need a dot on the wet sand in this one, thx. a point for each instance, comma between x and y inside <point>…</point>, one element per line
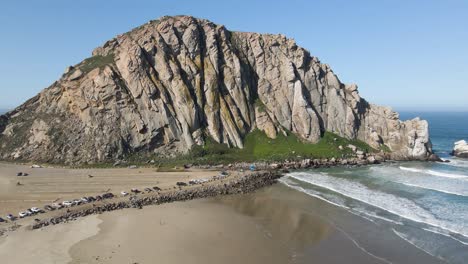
<point>273,225</point>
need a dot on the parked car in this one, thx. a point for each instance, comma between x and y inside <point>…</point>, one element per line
<point>2,220</point>
<point>91,199</point>
<point>84,200</point>
<point>35,210</point>
<point>67,203</point>
<point>123,193</point>
<point>57,205</point>
<point>181,184</point>
<point>11,217</point>
<point>77,202</point>
<point>134,190</point>
<point>49,208</point>
<point>23,214</point>
<point>98,198</point>
<point>108,195</point>
<point>148,190</point>
<point>156,188</point>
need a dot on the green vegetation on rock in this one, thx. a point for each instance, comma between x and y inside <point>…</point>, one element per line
<point>97,61</point>
<point>258,147</point>
<point>385,148</point>
<point>259,104</point>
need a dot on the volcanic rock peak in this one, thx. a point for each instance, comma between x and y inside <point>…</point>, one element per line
<point>173,82</point>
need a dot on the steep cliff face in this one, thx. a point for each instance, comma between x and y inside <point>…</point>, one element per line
<point>170,83</point>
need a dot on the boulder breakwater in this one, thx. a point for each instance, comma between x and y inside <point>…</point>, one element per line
<point>243,184</point>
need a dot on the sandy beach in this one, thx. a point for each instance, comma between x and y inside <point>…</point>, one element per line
<point>47,245</point>
<point>275,224</point>
<point>45,185</point>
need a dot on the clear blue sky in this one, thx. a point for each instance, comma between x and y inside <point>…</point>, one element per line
<point>411,55</point>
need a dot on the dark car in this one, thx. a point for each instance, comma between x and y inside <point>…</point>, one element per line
<point>49,208</point>
<point>107,195</point>
<point>156,188</point>
<point>91,199</point>
<point>98,198</point>
<point>2,220</point>
<point>181,184</point>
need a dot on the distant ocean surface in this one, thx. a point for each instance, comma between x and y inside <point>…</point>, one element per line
<point>425,204</point>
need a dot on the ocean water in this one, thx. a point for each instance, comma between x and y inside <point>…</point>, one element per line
<point>425,204</point>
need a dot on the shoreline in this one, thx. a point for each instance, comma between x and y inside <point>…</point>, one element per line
<point>265,174</point>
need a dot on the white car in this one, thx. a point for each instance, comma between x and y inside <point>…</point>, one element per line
<point>35,209</point>
<point>67,203</point>
<point>124,193</point>
<point>57,205</point>
<point>11,217</point>
<point>23,214</point>
<point>85,200</point>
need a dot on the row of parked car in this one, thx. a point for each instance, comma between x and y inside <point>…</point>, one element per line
<point>83,200</point>
<point>28,212</point>
<point>70,203</point>
<point>136,191</point>
<point>51,207</point>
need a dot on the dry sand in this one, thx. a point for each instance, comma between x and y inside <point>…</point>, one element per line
<point>46,246</point>
<point>44,185</point>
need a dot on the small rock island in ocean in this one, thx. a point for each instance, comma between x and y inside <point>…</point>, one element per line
<point>460,149</point>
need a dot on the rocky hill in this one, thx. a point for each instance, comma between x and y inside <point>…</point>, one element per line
<point>177,81</point>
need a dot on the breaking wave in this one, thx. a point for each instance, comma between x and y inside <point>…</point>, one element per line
<point>435,173</point>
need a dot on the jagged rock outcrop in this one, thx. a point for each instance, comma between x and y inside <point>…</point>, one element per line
<point>170,83</point>
<point>460,149</point>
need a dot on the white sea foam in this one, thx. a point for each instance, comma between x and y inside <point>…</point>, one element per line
<point>457,163</point>
<point>375,216</point>
<point>387,202</point>
<point>412,242</point>
<point>411,169</point>
<point>399,206</point>
<point>432,230</point>
<point>433,189</point>
<point>360,247</point>
<point>435,173</point>
<point>285,181</point>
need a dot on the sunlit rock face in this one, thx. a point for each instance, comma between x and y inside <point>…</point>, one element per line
<point>169,84</point>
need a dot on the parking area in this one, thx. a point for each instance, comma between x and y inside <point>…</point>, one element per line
<point>49,189</point>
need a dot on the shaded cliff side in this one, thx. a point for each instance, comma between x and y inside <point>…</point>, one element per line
<point>174,82</point>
